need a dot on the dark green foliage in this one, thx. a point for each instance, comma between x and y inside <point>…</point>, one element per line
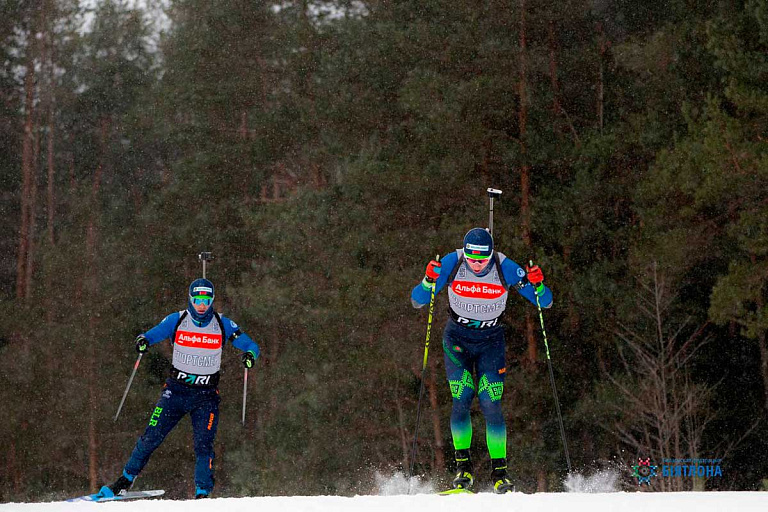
<point>325,152</point>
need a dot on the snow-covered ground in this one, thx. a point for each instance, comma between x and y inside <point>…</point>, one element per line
<point>543,502</point>
<point>397,493</point>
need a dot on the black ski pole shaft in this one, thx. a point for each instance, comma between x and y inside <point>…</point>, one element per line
<point>245,390</point>
<point>552,382</point>
<point>423,374</point>
<point>492,194</point>
<point>125,393</point>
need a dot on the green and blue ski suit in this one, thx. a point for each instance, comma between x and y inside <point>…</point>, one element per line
<point>473,340</point>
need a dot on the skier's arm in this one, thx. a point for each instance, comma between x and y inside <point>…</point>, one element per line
<point>163,330</point>
<point>421,294</point>
<point>239,339</point>
<point>514,274</point>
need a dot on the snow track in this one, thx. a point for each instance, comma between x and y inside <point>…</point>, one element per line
<point>542,502</point>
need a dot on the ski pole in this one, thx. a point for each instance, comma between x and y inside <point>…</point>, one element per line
<point>204,257</point>
<point>245,389</point>
<point>125,394</point>
<point>492,194</point>
<point>552,381</point>
<point>423,373</point>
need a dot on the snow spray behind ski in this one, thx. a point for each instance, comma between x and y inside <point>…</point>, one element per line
<point>603,480</point>
<point>399,484</point>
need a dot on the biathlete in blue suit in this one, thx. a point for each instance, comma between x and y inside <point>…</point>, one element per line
<point>478,280</point>
<point>198,335</point>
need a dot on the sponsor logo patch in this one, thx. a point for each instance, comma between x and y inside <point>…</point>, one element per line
<point>198,340</point>
<point>194,380</point>
<point>472,290</point>
<point>476,324</point>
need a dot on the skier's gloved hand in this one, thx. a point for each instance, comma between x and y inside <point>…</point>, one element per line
<point>536,278</point>
<point>249,359</point>
<point>433,271</point>
<point>142,344</point>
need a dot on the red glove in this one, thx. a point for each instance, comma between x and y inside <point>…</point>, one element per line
<point>535,277</point>
<point>433,271</point>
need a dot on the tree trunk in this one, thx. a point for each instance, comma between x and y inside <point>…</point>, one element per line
<point>265,417</point>
<point>573,312</point>
<point>541,481</point>
<point>553,70</point>
<point>50,78</point>
<point>51,207</point>
<point>27,169</point>
<point>403,428</point>
<point>242,132</point>
<point>557,107</point>
<point>90,251</point>
<point>763,349</point>
<point>437,431</point>
<point>93,447</point>
<point>600,96</point>
<point>525,210</point>
<point>32,210</point>
<point>71,161</point>
<point>13,469</point>
<point>602,48</point>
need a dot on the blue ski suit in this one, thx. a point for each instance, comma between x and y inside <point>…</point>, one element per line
<point>473,340</point>
<point>190,393</point>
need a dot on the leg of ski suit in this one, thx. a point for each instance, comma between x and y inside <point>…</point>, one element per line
<point>205,420</point>
<point>171,407</point>
<point>484,350</point>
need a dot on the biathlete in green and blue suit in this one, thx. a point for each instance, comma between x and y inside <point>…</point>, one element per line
<point>478,280</point>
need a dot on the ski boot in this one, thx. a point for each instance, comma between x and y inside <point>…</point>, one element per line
<point>501,482</point>
<point>201,493</point>
<point>120,486</point>
<point>463,478</point>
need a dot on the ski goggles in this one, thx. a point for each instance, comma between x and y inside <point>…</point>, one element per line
<point>476,259</point>
<point>196,301</point>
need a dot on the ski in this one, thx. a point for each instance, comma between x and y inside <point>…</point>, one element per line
<point>450,492</point>
<point>455,491</point>
<point>128,495</point>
